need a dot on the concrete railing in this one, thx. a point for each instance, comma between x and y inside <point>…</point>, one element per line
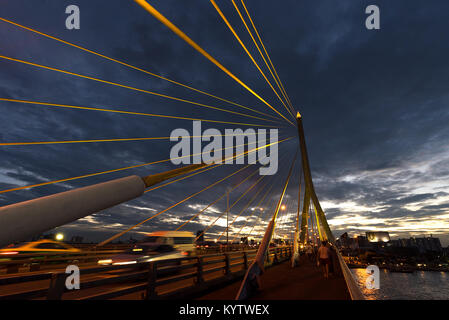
<point>351,283</point>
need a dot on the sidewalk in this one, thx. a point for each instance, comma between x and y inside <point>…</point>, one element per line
<point>281,282</point>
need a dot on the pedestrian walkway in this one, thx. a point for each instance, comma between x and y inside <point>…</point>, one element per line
<point>282,282</point>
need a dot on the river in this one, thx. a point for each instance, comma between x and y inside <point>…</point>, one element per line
<point>419,285</point>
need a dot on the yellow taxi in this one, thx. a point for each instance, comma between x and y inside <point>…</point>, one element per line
<point>40,246</point>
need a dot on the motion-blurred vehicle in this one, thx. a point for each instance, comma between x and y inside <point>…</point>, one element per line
<point>207,244</point>
<point>40,246</point>
<point>180,240</point>
<point>145,252</point>
<point>205,247</point>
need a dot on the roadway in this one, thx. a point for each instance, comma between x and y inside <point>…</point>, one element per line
<point>138,280</point>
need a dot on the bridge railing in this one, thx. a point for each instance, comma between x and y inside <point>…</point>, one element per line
<point>168,279</point>
<point>351,283</point>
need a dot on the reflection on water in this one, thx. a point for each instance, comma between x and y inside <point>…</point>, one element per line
<point>419,285</point>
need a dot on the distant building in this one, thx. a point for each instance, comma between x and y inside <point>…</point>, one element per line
<point>361,242</point>
<point>345,241</point>
<point>423,245</point>
<point>378,236</point>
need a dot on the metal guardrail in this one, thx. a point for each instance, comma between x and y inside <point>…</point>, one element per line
<point>353,288</point>
<point>146,277</point>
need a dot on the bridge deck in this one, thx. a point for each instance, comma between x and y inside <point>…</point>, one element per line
<point>282,282</point>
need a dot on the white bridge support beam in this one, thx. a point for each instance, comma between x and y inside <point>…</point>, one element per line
<point>23,220</point>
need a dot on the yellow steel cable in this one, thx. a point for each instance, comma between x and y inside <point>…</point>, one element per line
<point>183,36</point>
<point>213,223</point>
<point>260,213</point>
<point>103,140</point>
<point>128,112</point>
<point>133,88</point>
<point>183,178</point>
<point>171,207</point>
<point>218,199</point>
<point>318,224</point>
<point>233,204</point>
<point>245,207</point>
<point>284,219</point>
<point>265,50</point>
<point>133,67</point>
<point>261,54</point>
<point>77,141</point>
<point>266,213</point>
<point>274,219</point>
<point>195,173</point>
<point>265,216</point>
<point>262,222</point>
<point>247,52</point>
<point>116,170</point>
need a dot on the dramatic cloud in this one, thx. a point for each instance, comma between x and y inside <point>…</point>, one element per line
<point>374,106</point>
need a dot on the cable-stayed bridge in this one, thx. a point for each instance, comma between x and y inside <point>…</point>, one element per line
<point>260,272</point>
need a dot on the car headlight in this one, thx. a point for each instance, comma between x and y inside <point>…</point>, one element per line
<point>123,263</point>
<point>106,261</point>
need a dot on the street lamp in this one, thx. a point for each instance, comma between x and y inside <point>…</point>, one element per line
<point>59,236</point>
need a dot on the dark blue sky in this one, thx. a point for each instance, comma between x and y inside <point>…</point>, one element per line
<point>374,104</point>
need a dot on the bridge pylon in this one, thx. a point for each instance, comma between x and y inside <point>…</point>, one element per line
<point>309,193</point>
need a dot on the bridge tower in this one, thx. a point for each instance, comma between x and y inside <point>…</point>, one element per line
<point>309,193</point>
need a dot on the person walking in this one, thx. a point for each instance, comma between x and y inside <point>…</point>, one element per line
<point>324,258</point>
<point>309,252</point>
